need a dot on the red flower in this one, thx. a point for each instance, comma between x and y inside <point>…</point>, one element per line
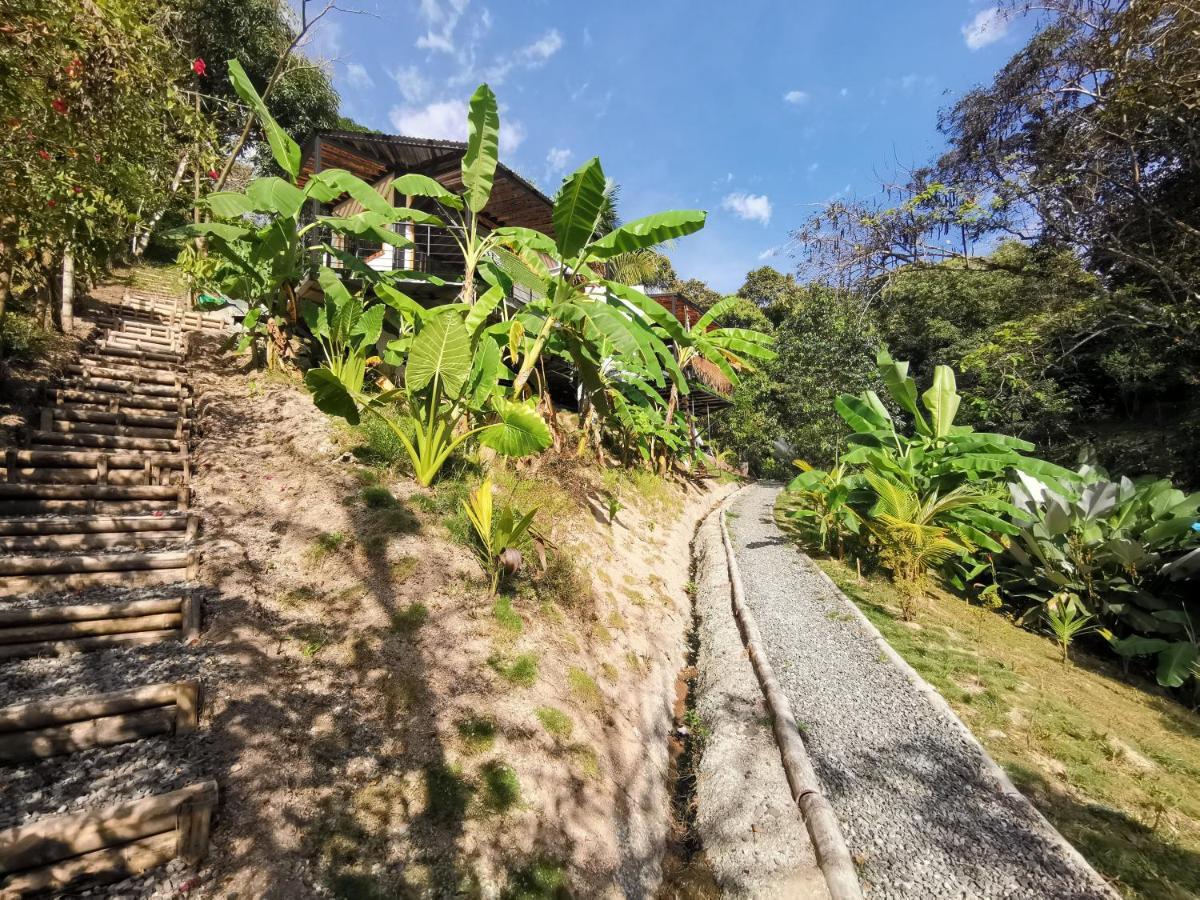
<point>43,154</point>
<point>198,66</point>
<point>213,174</point>
<point>60,105</point>
<point>75,68</point>
<point>51,203</point>
<point>97,157</point>
<point>77,189</point>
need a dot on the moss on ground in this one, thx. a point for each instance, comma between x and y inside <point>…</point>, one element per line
<point>1114,764</point>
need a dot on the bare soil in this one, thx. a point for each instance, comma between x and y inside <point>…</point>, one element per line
<point>390,731</point>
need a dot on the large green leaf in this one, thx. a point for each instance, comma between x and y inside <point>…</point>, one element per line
<point>520,431</point>
<point>442,351</point>
<point>409,308</point>
<point>1175,663</point>
<point>228,204</point>
<point>485,373</point>
<point>516,236</point>
<point>283,148</point>
<point>649,307</point>
<point>577,207</point>
<point>902,388</point>
<point>648,231</point>
<point>330,395</point>
<point>366,224</point>
<point>483,307</point>
<point>483,147</point>
<point>714,312</point>
<point>414,185</point>
<point>332,287</point>
<point>370,325</point>
<point>274,195</point>
<point>860,414</point>
<point>330,184</point>
<point>942,400</point>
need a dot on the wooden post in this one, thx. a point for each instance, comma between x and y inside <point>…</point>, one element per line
<point>68,290</point>
<point>187,707</point>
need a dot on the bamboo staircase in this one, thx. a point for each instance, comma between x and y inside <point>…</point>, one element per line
<point>96,500</point>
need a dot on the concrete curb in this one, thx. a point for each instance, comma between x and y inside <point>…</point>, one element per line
<point>998,775</point>
<point>833,856</point>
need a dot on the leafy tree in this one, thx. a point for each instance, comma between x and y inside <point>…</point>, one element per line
<point>766,287</point>
<point>94,118</point>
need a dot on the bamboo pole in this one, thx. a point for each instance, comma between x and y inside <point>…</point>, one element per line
<point>130,858</point>
<point>122,539</point>
<point>116,562</point>
<point>100,642</point>
<point>115,441</point>
<point>69,630</point>
<point>56,838</point>
<point>86,612</point>
<point>104,731</point>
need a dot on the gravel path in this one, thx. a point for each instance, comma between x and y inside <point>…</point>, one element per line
<point>919,812</point>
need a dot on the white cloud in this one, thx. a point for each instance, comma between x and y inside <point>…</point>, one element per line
<point>531,56</point>
<point>751,207</point>
<point>357,76</point>
<point>558,159</point>
<point>796,97</point>
<point>768,253</point>
<point>447,120</point>
<point>844,92</point>
<point>414,87</point>
<point>988,26</point>
<point>442,17</point>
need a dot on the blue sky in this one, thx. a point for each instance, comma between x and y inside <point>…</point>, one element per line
<point>755,111</point>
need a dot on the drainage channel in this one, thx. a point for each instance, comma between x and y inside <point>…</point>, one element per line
<point>686,872</point>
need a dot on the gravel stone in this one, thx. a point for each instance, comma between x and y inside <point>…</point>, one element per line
<point>916,805</point>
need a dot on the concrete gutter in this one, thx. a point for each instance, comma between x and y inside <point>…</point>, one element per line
<point>833,856</point>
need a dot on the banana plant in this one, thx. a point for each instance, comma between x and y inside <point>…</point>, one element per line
<point>347,331</point>
<point>499,533</point>
<point>258,232</point>
<point>825,505</point>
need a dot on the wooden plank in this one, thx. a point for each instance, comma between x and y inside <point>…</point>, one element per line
<point>104,731</point>
<point>190,607</point>
<point>130,540</point>
<point>82,645</point>
<point>88,492</point>
<point>89,458</point>
<point>28,634</point>
<point>168,434</point>
<point>98,475</point>
<point>89,611</point>
<point>187,706</point>
<point>109,562</point>
<point>120,861</point>
<point>69,413</point>
<point>81,708</point>
<point>14,585</point>
<point>116,442</point>
<point>109,398</point>
<point>55,838</point>
<point>128,388</point>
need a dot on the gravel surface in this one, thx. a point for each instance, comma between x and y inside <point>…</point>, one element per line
<point>754,837</point>
<point>918,810</point>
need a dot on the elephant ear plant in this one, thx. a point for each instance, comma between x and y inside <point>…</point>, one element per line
<point>1119,546</point>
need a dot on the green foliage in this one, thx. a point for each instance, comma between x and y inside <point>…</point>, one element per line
<point>585,690</point>
<point>543,879</point>
<point>499,533</point>
<point>521,671</point>
<point>556,722</point>
<point>478,733</point>
<point>822,506</point>
<point>1121,548</point>
<point>408,621</point>
<point>501,787</point>
<point>1067,620</point>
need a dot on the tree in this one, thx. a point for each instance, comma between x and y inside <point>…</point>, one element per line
<point>96,118</point>
<point>766,287</point>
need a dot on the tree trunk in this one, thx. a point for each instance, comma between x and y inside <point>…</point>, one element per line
<point>67,310</point>
<point>143,240</point>
<point>5,281</point>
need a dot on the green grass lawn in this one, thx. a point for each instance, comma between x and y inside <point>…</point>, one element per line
<point>1113,763</point>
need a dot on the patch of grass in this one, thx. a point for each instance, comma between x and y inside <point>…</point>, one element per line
<point>379,498</point>
<point>1110,761</point>
<point>300,596</point>
<point>408,621</point>
<point>403,569</point>
<point>478,734</point>
<point>367,476</point>
<point>556,722</point>
<point>585,690</point>
<point>586,761</point>
<point>506,617</point>
<point>521,671</point>
<point>447,794</point>
<point>396,519</point>
<point>601,633</point>
<point>564,584</point>
<point>325,544</point>
<point>23,338</point>
<point>609,672</point>
<point>543,879</point>
<point>379,445</point>
<point>501,787</point>
<point>633,661</point>
<point>617,621</point>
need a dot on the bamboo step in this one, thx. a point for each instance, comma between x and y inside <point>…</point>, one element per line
<point>114,841</point>
<point>94,525</point>
<point>90,499</point>
<point>141,356</point>
<point>116,402</point>
<point>50,439</point>
<point>64,725</point>
<point>132,389</point>
<point>125,373</point>
<point>70,413</point>
<point>66,427</point>
<point>103,355</point>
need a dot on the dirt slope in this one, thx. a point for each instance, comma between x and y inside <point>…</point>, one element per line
<point>393,731</point>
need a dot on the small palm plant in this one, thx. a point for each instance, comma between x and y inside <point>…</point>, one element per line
<point>499,533</point>
<point>916,534</point>
<point>1067,620</point>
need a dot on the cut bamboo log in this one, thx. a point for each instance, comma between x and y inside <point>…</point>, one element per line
<point>123,354</point>
<point>114,562</point>
<point>39,439</point>
<point>100,416</point>
<point>64,427</point>
<point>87,507</point>
<point>87,524</point>
<point>140,355</point>
<point>57,838</point>
<point>123,373</point>
<point>70,724</point>
<point>115,386</point>
<point>90,491</point>
<point>115,401</point>
<point>89,611</point>
<point>122,861</point>
<point>118,478</point>
<point>88,459</point>
<point>81,645</point>
<point>29,634</point>
<point>126,540</point>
